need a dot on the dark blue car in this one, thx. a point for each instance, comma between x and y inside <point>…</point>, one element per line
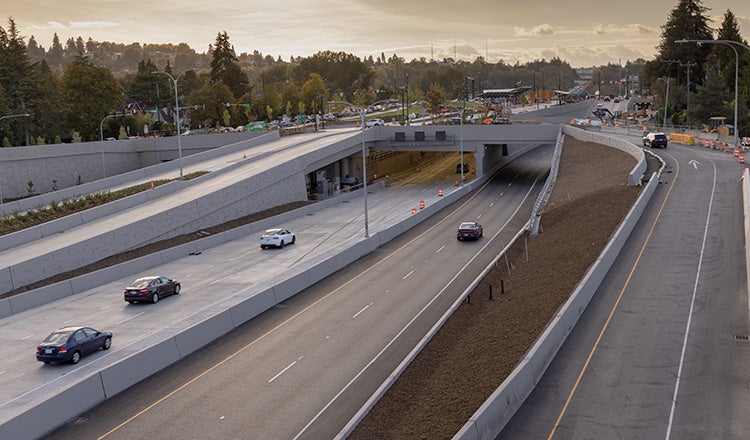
<point>69,344</point>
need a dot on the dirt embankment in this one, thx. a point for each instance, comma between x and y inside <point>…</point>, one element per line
<point>484,340</point>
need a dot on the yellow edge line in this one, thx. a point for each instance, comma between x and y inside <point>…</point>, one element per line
<point>617,302</point>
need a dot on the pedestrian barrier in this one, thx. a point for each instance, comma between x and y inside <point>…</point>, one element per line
<point>682,138</point>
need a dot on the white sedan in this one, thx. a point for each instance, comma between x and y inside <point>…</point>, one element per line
<point>278,237</point>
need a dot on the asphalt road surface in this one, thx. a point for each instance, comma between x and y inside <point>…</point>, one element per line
<point>305,367</point>
<point>661,352</point>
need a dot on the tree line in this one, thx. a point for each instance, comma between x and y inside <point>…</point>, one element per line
<point>70,91</point>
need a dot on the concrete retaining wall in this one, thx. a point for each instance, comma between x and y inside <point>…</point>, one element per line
<point>636,174</point>
<point>493,415</point>
<point>66,164</point>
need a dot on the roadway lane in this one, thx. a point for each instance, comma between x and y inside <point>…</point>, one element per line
<point>665,364</point>
<point>303,369</point>
<point>266,157</point>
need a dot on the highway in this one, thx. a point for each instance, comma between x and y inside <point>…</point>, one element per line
<point>661,351</point>
<point>303,368</point>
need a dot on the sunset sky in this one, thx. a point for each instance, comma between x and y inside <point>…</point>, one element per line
<point>581,32</point>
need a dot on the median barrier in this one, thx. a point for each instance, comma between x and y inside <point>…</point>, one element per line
<point>204,329</point>
<point>253,305</point>
<point>289,287</point>
<point>35,418</point>
<point>5,309</point>
<point>96,278</point>
<point>138,364</point>
<point>488,421</point>
<point>41,296</point>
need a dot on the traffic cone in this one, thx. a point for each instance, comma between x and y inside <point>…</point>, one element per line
<point>421,204</point>
<point>440,191</point>
<point>152,185</point>
<point>413,210</point>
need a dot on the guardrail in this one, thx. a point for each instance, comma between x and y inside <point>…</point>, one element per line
<point>541,201</point>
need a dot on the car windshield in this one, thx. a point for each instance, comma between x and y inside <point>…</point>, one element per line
<point>467,226</point>
<point>58,337</point>
<point>271,232</point>
<point>660,137</point>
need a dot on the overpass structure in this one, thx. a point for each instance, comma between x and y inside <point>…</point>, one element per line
<point>285,172</point>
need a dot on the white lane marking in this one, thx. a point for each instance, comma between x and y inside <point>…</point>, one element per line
<point>509,184</point>
<point>100,308</point>
<point>26,337</point>
<point>69,320</point>
<point>407,275</point>
<point>479,216</point>
<point>2,372</point>
<point>492,204</point>
<point>285,369</point>
<point>441,248</point>
<point>218,280</point>
<point>132,317</point>
<point>501,194</point>
<point>363,309</point>
<point>692,305</point>
<point>414,318</point>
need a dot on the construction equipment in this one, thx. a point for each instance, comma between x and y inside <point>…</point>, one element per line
<point>718,124</point>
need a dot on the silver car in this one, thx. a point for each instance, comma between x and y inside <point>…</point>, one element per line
<point>277,237</point>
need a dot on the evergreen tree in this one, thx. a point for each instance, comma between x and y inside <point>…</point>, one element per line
<point>225,68</point>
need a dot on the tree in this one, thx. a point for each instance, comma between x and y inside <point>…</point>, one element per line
<point>712,99</point>
<point>314,94</point>
<point>18,80</point>
<point>435,98</point>
<point>224,66</point>
<point>343,73</point>
<point>90,93</point>
<point>212,99</point>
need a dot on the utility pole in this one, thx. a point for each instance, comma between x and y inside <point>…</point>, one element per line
<point>688,65</point>
<point>666,99</point>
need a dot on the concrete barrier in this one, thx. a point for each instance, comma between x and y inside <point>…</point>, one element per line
<point>636,174</point>
<point>139,364</point>
<point>34,419</point>
<point>204,330</point>
<point>495,413</point>
<point>253,305</point>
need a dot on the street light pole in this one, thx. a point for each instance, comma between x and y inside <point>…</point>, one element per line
<point>364,168</point>
<point>731,44</point>
<point>666,101</point>
<point>177,118</point>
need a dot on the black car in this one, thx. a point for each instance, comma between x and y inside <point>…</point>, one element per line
<point>151,289</point>
<point>469,230</point>
<point>69,344</point>
<point>654,140</point>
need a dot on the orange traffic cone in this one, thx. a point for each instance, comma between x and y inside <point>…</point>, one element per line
<point>152,185</point>
<point>413,210</point>
<point>440,191</point>
<point>421,204</point>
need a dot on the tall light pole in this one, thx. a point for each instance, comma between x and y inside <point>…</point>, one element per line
<point>20,115</point>
<point>177,118</point>
<point>731,44</point>
<point>364,168</point>
<point>461,143</point>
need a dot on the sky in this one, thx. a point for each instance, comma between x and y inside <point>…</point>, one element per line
<point>582,32</point>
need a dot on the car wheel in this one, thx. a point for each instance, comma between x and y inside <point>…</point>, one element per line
<point>294,239</point>
<point>154,298</point>
<point>107,344</point>
<point>281,245</point>
<point>131,302</point>
<point>76,357</point>
<point>262,247</point>
<point>46,362</point>
<point>177,289</point>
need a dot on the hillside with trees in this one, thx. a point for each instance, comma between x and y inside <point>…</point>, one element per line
<point>68,89</point>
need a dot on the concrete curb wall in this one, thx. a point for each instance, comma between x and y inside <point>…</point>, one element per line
<point>495,413</point>
<point>746,215</point>
<point>216,143</point>
<point>636,174</point>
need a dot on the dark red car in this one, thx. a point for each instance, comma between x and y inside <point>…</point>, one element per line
<point>151,289</point>
<point>469,231</point>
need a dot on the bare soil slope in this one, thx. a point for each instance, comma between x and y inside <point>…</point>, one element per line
<point>484,340</point>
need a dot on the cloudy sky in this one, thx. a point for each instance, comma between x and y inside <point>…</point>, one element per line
<point>582,32</point>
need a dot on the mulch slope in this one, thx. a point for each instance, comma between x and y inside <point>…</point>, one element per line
<point>484,340</point>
